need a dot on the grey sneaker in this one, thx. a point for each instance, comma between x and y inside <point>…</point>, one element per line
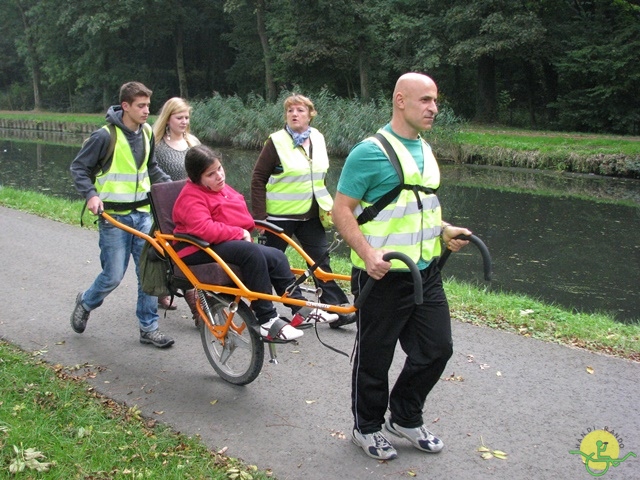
<point>375,445</point>
<point>420,437</point>
<point>79,316</point>
<point>157,338</point>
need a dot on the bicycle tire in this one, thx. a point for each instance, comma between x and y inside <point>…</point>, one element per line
<point>239,359</point>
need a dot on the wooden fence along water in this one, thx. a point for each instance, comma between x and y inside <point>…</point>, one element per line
<point>47,126</point>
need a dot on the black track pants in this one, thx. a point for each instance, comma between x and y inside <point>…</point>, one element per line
<point>424,332</point>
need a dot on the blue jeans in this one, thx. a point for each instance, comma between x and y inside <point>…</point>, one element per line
<point>116,247</point>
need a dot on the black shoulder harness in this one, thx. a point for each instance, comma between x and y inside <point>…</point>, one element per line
<point>372,211</point>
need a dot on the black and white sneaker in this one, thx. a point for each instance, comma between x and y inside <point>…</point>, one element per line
<point>375,445</point>
<point>420,437</point>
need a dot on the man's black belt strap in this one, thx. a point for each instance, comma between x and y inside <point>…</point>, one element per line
<point>122,206</point>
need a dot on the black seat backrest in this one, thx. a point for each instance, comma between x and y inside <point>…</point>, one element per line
<point>163,197</point>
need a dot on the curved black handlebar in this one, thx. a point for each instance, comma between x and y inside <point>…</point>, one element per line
<point>484,251</point>
<point>415,273</point>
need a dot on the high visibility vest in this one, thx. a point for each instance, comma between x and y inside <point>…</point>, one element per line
<point>123,182</point>
<point>413,222</point>
<point>292,191</point>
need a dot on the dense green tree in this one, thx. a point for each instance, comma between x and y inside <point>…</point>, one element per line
<point>484,34</point>
<point>600,69</point>
<point>522,62</point>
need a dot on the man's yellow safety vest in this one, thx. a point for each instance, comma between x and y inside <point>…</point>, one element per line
<point>124,183</point>
<point>412,223</point>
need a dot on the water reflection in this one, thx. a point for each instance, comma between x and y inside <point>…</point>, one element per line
<point>573,252</point>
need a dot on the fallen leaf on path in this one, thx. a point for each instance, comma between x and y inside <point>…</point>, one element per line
<point>590,370</point>
<point>486,453</point>
<point>499,454</point>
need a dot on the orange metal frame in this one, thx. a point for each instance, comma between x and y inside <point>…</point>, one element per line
<point>163,243</point>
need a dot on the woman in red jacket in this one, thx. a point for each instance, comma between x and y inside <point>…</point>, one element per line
<point>210,209</point>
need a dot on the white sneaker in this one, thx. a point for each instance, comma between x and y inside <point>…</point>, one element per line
<point>277,329</point>
<point>375,445</point>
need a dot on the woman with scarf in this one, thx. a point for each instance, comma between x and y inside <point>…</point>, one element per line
<point>288,189</point>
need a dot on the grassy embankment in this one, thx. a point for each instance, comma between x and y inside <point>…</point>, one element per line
<point>144,450</point>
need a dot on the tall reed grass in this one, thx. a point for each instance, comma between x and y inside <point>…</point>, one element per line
<point>247,123</point>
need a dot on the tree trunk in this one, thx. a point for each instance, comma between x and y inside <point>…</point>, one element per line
<point>35,73</point>
<point>363,65</point>
<point>270,85</point>
<point>551,87</point>
<point>182,72</point>
<point>486,99</point>
<point>533,96</point>
<point>106,89</point>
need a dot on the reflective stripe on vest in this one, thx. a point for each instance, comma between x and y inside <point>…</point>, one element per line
<point>291,192</point>
<point>402,226</point>
<point>123,182</point>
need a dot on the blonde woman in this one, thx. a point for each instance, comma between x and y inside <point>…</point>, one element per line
<point>173,139</point>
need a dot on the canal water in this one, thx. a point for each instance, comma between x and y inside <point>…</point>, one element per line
<point>570,240</point>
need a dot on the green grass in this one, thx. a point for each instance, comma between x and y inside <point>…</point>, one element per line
<point>524,315</point>
<point>53,208</point>
<point>89,118</point>
<point>81,434</point>
<point>552,142</point>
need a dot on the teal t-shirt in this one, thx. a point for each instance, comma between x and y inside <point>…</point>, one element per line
<point>368,174</point>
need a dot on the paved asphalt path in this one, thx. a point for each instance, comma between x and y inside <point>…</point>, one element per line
<point>533,400</point>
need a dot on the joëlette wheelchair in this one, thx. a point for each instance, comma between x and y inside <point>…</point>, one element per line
<point>229,330</point>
